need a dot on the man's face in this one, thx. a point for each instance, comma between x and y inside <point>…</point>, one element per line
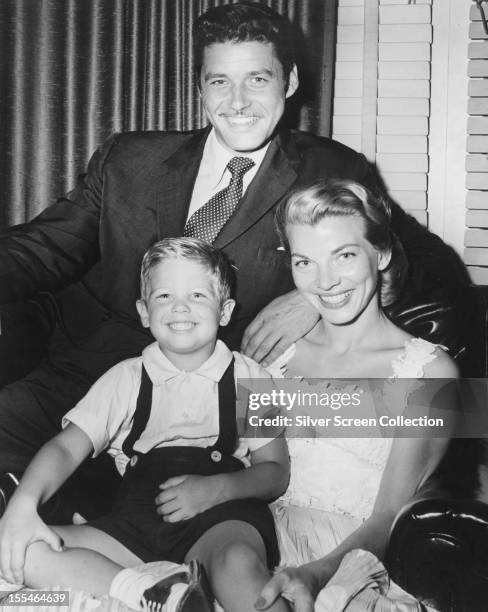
<point>243,92</point>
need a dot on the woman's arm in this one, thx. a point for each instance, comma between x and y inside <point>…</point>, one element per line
<point>185,496</point>
<point>21,525</point>
<point>411,462</point>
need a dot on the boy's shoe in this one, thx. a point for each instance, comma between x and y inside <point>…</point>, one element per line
<point>181,592</point>
<point>8,484</point>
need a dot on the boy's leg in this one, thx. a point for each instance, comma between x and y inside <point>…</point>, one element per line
<point>97,563</point>
<point>85,536</point>
<point>234,557</point>
<point>90,562</point>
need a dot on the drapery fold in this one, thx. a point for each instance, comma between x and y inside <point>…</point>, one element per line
<point>74,71</point>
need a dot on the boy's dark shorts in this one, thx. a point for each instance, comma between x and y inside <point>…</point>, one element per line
<point>135,524</point>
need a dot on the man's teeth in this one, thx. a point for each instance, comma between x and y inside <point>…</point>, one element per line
<point>242,120</point>
<point>335,299</point>
<point>182,326</point>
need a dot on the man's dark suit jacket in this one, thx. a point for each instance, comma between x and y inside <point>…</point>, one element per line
<point>137,190</point>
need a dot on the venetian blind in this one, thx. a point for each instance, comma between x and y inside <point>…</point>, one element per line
<point>383,82</point>
<point>476,234</point>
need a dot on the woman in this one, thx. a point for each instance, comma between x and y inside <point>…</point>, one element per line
<point>348,264</point>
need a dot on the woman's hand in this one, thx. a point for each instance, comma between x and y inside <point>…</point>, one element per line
<point>299,585</point>
<point>20,526</point>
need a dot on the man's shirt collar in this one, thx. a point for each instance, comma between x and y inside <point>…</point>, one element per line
<point>216,157</point>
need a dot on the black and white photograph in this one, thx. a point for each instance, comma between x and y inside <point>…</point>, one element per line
<point>244,305</point>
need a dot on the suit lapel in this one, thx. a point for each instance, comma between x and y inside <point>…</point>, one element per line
<point>175,185</point>
<point>273,180</point>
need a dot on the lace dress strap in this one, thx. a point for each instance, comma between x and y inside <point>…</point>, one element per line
<point>417,353</point>
<point>279,366</point>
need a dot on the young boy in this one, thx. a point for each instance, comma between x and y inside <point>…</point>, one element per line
<point>169,420</point>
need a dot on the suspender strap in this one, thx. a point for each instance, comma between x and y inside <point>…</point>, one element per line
<point>141,415</point>
<point>226,442</point>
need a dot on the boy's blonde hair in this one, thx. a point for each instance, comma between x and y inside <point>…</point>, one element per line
<point>190,249</point>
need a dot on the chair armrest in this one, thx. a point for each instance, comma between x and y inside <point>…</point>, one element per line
<point>438,548</point>
<point>458,321</point>
<point>25,330</point>
<point>474,362</point>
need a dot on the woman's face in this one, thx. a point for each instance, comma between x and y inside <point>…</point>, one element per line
<point>335,267</point>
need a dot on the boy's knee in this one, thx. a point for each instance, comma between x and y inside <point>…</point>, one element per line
<point>37,549</point>
<point>239,557</point>
<point>37,554</point>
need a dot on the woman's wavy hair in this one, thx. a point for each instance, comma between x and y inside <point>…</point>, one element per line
<point>337,197</point>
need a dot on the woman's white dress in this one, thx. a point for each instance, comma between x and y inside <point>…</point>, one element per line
<point>334,481</point>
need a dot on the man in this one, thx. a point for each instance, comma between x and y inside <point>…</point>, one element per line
<point>145,186</point>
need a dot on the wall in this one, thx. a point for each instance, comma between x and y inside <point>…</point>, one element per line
<point>401,97</point>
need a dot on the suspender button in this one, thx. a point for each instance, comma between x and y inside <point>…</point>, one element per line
<point>216,456</point>
<point>133,460</point>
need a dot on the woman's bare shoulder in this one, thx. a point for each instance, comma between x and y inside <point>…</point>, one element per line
<point>443,366</point>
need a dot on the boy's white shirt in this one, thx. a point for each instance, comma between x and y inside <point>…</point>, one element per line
<point>184,408</point>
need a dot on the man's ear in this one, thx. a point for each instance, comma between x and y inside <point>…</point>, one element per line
<point>384,258</point>
<point>293,82</point>
<point>226,312</point>
<point>143,314</point>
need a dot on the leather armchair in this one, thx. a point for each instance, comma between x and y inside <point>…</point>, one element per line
<point>439,543</point>
<point>25,329</point>
<point>438,547</point>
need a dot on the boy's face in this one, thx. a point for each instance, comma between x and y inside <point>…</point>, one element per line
<point>183,311</point>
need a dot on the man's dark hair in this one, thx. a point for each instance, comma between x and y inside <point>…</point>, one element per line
<point>245,22</point>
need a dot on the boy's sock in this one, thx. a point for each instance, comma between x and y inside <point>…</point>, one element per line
<point>130,584</point>
<point>162,586</point>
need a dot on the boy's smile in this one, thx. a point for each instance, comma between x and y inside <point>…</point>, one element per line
<point>183,311</point>
<point>181,326</point>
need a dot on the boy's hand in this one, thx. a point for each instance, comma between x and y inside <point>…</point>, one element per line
<point>19,527</point>
<point>182,497</point>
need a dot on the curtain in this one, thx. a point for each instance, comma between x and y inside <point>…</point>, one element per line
<point>74,71</point>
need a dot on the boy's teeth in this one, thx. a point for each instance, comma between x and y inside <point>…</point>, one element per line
<point>183,326</point>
